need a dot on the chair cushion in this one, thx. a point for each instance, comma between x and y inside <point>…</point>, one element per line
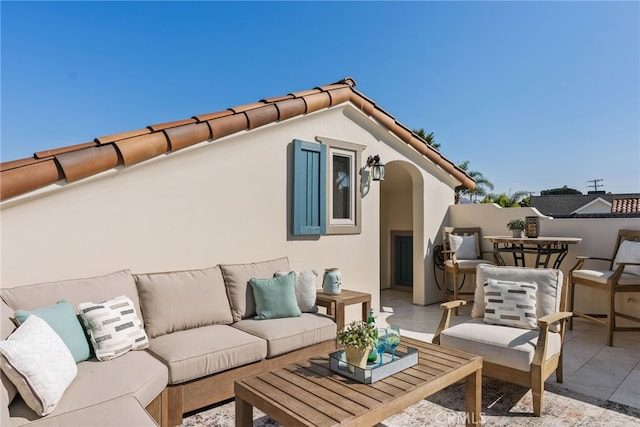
<point>464,246</point>
<point>502,345</point>
<point>179,300</point>
<point>466,264</point>
<point>236,280</point>
<point>510,303</point>
<point>123,411</point>
<point>629,251</point>
<point>601,276</point>
<point>549,283</point>
<point>285,335</point>
<point>137,373</point>
<point>195,353</point>
<point>276,297</point>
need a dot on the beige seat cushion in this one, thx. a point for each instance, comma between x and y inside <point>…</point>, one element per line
<point>75,291</point>
<point>502,345</point>
<point>289,334</point>
<point>136,373</point>
<point>236,279</point>
<point>123,411</point>
<point>180,300</point>
<point>601,276</point>
<point>195,353</point>
<point>466,264</point>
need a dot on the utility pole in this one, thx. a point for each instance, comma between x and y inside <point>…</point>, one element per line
<point>595,183</point>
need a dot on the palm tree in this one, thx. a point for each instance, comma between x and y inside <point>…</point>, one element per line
<point>507,200</point>
<point>428,137</point>
<point>481,183</point>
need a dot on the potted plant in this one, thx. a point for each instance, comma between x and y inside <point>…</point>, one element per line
<point>358,338</point>
<point>516,226</point>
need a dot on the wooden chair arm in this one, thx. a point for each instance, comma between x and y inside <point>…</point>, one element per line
<point>582,258</point>
<point>544,322</point>
<point>447,307</point>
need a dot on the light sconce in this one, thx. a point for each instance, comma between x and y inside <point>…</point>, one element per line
<point>377,168</point>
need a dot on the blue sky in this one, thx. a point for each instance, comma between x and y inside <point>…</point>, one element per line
<point>535,95</point>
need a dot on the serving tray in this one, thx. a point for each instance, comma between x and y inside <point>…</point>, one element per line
<point>373,372</point>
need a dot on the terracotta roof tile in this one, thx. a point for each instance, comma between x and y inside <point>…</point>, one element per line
<point>116,136</point>
<point>140,148</point>
<point>227,125</point>
<point>50,153</point>
<point>168,125</point>
<point>30,177</point>
<point>80,161</point>
<point>184,136</point>
<point>626,205</point>
<point>262,116</point>
<point>89,161</point>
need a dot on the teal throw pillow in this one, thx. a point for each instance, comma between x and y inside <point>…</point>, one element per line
<point>275,297</point>
<point>63,320</point>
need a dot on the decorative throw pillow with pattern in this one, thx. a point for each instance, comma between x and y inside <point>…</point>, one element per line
<point>510,303</point>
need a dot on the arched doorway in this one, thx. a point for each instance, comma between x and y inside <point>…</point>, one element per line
<point>401,230</point>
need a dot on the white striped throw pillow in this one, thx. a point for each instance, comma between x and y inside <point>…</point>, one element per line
<point>510,303</point>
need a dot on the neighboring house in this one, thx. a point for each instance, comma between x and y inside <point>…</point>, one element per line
<point>593,204</point>
<point>283,176</point>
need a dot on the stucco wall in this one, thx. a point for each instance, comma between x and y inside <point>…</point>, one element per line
<point>226,201</point>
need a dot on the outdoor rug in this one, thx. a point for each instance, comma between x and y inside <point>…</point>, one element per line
<point>503,404</point>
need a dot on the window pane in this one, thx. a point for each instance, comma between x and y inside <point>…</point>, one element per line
<point>341,187</point>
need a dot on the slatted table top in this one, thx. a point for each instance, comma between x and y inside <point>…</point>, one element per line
<point>309,393</point>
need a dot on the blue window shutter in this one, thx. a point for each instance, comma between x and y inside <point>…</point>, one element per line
<point>309,188</point>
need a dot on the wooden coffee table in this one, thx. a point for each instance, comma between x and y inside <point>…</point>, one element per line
<point>308,393</point>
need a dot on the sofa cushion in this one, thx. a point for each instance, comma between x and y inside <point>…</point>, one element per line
<point>513,347</point>
<point>101,288</point>
<point>137,373</point>
<point>548,295</point>
<point>236,280</point>
<point>285,335</point>
<point>180,300</point>
<point>306,289</point>
<point>62,319</point>
<point>123,411</point>
<point>39,363</point>
<point>510,303</point>
<point>276,297</point>
<point>195,353</point>
<point>113,326</point>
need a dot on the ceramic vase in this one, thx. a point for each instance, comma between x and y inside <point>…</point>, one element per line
<point>356,356</point>
<point>332,281</point>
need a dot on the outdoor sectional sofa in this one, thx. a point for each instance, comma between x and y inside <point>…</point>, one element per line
<point>202,335</point>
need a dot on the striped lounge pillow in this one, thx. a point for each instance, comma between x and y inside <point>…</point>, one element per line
<point>113,327</point>
<point>510,303</point>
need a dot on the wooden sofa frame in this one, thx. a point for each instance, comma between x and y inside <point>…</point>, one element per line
<point>168,408</point>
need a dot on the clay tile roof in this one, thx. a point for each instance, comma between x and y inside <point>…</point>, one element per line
<point>78,161</point>
<point>626,205</point>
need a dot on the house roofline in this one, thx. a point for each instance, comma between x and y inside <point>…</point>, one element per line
<point>75,162</point>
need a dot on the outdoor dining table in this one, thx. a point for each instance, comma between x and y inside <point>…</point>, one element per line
<point>545,248</point>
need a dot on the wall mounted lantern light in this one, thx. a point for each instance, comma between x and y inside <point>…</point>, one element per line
<point>377,168</point>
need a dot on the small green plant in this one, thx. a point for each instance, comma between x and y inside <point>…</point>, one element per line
<point>516,224</point>
<point>358,334</point>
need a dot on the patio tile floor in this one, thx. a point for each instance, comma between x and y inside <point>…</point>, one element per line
<point>590,367</point>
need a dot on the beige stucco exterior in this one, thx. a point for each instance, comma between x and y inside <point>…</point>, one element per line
<point>226,201</point>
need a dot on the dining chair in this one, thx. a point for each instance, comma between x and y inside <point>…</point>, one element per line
<point>462,251</point>
<point>621,276</point>
<point>517,326</point>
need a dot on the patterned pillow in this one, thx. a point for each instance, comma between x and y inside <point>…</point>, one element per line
<point>510,303</point>
<point>39,363</point>
<point>113,327</point>
<point>306,289</point>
